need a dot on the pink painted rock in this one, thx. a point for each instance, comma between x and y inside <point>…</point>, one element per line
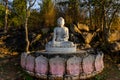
<point>88,66</point>
<point>74,66</point>
<point>30,62</point>
<point>23,60</point>
<point>57,66</point>
<point>99,65</point>
<point>41,65</point>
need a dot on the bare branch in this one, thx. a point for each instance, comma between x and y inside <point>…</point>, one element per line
<point>113,15</point>
<point>31,4</point>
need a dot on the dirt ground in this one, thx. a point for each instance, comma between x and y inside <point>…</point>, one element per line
<point>10,70</point>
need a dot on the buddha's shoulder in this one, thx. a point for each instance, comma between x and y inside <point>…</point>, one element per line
<point>65,27</point>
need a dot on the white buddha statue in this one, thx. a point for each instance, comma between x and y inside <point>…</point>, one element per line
<point>61,32</point>
<point>60,37</point>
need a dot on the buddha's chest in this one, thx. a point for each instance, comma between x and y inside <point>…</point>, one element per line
<point>60,31</point>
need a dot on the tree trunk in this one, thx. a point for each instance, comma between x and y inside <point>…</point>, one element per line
<point>26,34</point>
<point>105,29</point>
<point>26,26</point>
<point>90,13</point>
<point>6,16</point>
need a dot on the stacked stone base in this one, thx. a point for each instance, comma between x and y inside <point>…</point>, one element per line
<point>82,65</point>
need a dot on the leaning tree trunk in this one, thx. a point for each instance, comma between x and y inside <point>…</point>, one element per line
<point>26,22</point>
<point>26,33</point>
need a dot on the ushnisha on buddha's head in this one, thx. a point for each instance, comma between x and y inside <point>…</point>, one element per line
<point>61,22</point>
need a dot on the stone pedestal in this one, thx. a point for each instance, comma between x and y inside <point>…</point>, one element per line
<point>79,65</point>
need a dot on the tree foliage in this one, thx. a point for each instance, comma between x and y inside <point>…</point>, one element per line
<point>2,11</point>
<point>102,14</point>
<point>74,10</point>
<point>19,9</point>
<point>34,20</point>
<point>97,14</point>
<point>48,13</point>
<point>116,23</point>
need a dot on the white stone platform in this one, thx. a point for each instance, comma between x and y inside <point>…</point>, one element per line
<point>82,52</point>
<point>61,49</point>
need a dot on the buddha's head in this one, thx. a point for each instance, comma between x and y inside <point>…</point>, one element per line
<point>61,22</point>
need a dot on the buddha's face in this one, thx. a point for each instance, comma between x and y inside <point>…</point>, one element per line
<point>60,22</point>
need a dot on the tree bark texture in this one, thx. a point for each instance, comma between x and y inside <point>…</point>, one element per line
<point>26,34</point>
<point>6,16</point>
